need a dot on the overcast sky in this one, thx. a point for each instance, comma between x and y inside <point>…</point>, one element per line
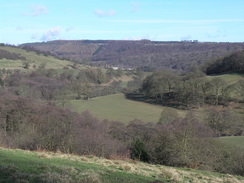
<point>161,20</point>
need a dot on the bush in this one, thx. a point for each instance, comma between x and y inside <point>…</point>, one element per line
<point>52,177</point>
<point>91,177</point>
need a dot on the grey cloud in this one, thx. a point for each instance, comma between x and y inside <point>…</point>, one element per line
<point>51,34</point>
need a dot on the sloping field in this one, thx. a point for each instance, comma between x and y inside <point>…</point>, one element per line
<point>236,141</point>
<point>117,107</point>
<point>32,58</point>
<point>45,167</point>
<point>230,77</point>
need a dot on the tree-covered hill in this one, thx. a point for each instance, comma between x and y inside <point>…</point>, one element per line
<point>145,54</point>
<point>233,63</point>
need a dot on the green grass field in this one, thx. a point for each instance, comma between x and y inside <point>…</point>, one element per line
<point>117,107</point>
<point>240,110</point>
<point>32,58</point>
<point>23,166</point>
<point>18,166</point>
<point>236,141</point>
<point>229,78</point>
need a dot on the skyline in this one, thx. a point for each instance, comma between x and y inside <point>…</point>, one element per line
<point>157,20</point>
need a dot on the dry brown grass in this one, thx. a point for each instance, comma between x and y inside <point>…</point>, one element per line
<point>135,167</point>
<point>139,168</point>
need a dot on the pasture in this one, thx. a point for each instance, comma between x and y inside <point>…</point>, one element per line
<point>229,77</point>
<point>32,58</point>
<point>116,107</point>
<point>234,140</point>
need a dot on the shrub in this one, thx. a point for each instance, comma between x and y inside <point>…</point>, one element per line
<point>91,177</point>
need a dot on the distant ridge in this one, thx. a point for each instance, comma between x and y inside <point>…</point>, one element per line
<point>144,53</point>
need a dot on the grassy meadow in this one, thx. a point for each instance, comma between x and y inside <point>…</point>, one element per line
<point>25,166</point>
<point>232,78</point>
<point>229,78</point>
<point>117,107</point>
<point>239,109</point>
<point>234,140</point>
<point>32,58</point>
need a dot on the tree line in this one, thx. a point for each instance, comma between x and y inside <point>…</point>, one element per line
<point>192,89</point>
<point>50,85</point>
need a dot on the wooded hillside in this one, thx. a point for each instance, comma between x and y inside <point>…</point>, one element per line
<point>145,53</point>
<point>231,63</point>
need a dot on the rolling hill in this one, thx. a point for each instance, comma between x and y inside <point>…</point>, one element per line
<point>29,114</point>
<point>16,58</point>
<point>144,54</point>
<point>118,108</point>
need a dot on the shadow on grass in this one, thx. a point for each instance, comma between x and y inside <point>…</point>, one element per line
<point>166,103</point>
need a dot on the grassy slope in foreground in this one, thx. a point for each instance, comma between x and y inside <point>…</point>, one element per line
<point>25,166</point>
<point>32,58</point>
<point>117,107</point>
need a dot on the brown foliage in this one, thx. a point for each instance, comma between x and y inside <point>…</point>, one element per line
<point>28,125</point>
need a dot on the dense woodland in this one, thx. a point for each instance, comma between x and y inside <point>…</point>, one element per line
<point>193,89</point>
<point>33,116</point>
<point>145,54</point>
<point>230,63</point>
